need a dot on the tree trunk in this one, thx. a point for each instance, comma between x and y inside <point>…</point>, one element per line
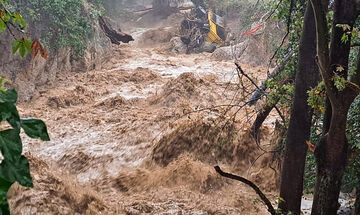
<point>260,118</point>
<point>357,202</point>
<point>327,117</point>
<point>307,76</point>
<point>331,153</point>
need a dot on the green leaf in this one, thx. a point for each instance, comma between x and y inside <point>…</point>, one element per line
<point>23,45</point>
<point>354,33</point>
<point>4,188</point>
<point>2,25</point>
<point>340,68</point>
<point>3,81</point>
<point>16,171</point>
<point>357,145</point>
<point>344,38</point>
<point>345,27</point>
<point>339,82</point>
<point>17,18</point>
<point>7,16</point>
<point>35,128</point>
<point>10,144</point>
<point>22,50</point>
<point>28,45</point>
<point>4,208</point>
<point>16,45</point>
<point>9,112</point>
<point>9,96</point>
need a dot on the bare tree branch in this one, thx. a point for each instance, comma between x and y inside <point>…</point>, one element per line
<point>258,93</point>
<point>322,35</point>
<point>272,13</point>
<point>252,185</point>
<point>260,118</point>
<point>239,69</point>
<point>288,23</point>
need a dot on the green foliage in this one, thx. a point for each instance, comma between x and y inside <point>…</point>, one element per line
<point>310,165</point>
<point>316,97</point>
<point>280,93</point>
<point>15,167</point>
<point>63,23</point>
<point>347,32</point>
<point>351,178</point>
<point>354,124</point>
<point>282,13</point>
<point>7,16</point>
<point>23,45</point>
<point>35,128</point>
<point>339,82</point>
<point>310,173</point>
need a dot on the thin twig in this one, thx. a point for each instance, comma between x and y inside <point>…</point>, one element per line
<point>272,12</point>
<point>214,107</point>
<point>288,25</point>
<point>259,89</point>
<point>278,69</point>
<point>12,24</point>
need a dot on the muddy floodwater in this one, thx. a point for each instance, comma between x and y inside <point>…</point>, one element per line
<point>128,139</point>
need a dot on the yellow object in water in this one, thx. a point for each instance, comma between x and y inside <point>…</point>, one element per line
<point>217,31</point>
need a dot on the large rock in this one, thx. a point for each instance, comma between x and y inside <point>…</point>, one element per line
<point>251,51</point>
<point>178,47</point>
<point>156,36</point>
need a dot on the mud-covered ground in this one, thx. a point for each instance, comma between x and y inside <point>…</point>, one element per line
<point>136,137</point>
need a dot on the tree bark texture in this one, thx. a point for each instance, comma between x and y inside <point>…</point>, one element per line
<point>307,77</point>
<point>357,202</point>
<point>331,152</point>
<point>260,118</point>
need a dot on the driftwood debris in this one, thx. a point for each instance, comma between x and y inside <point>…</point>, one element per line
<point>115,36</point>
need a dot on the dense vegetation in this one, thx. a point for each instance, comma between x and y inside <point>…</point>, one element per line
<point>14,166</point>
<point>293,14</point>
<point>60,24</point>
<point>68,24</point>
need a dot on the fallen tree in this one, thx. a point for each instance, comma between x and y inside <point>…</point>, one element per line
<point>115,36</point>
